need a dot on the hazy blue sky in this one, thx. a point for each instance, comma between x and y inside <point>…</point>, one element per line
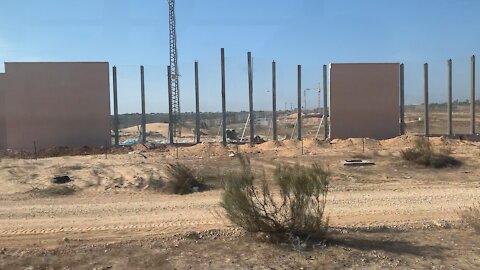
<point>129,33</point>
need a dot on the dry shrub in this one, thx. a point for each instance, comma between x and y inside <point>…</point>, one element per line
<point>446,150</point>
<point>182,180</point>
<point>155,184</point>
<point>210,178</point>
<point>297,213</point>
<point>424,154</point>
<point>471,216</point>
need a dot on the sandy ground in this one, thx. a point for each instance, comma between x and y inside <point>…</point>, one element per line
<point>114,215</point>
<point>114,204</point>
<point>414,116</point>
<point>215,249</point>
<point>159,128</point>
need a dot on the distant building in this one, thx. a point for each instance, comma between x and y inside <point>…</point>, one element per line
<point>54,104</point>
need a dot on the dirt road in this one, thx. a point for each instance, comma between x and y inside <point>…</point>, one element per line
<point>118,219</point>
<point>121,216</point>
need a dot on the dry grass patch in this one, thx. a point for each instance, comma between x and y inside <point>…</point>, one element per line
<point>471,216</point>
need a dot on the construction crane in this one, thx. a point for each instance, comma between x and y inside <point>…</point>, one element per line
<point>174,75</point>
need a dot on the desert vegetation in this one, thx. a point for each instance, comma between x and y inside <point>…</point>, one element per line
<point>54,190</point>
<point>182,180</point>
<point>296,212</point>
<point>471,216</point>
<point>120,213</point>
<point>423,153</point>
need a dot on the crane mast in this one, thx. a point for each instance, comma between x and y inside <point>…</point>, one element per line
<point>174,75</point>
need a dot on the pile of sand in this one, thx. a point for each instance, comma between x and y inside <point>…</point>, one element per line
<point>409,140</point>
<point>119,172</point>
<point>347,143</point>
<point>291,143</point>
<point>249,149</point>
<point>372,143</point>
<point>444,141</point>
<point>311,143</point>
<point>403,141</point>
<point>269,145</point>
<point>400,141</point>
<point>202,150</point>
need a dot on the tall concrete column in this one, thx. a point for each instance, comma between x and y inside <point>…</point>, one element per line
<point>299,102</point>
<point>250,98</point>
<point>449,103</point>
<point>144,120</point>
<point>170,110</point>
<point>197,105</point>
<point>472,94</point>
<point>274,100</point>
<point>115,107</point>
<point>402,99</point>
<point>425,80</point>
<point>325,102</point>
<point>224,110</point>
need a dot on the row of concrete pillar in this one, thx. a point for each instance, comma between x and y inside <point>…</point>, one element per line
<point>274,100</point>
<point>115,106</point>
<point>224,112</point>
<point>299,100</point>
<point>449,102</point>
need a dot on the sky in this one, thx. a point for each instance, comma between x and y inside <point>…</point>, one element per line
<point>311,33</point>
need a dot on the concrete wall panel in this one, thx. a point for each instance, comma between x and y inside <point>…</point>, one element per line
<point>3,131</point>
<point>364,100</point>
<point>57,104</point>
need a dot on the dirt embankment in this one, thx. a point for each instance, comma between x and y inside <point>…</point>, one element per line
<point>113,204</point>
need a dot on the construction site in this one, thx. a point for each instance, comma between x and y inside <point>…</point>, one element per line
<point>87,183</point>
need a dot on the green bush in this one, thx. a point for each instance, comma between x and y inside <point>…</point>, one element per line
<point>296,212</point>
<point>182,180</point>
<point>424,154</point>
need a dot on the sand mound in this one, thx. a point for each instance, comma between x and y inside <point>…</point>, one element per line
<point>281,145</point>
<point>159,128</point>
<point>347,143</point>
<point>291,144</point>
<point>95,173</point>
<point>311,143</point>
<point>372,143</point>
<point>400,141</point>
<point>409,140</point>
<point>281,148</point>
<point>248,149</point>
<point>204,150</point>
<point>269,145</point>
<point>444,141</point>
